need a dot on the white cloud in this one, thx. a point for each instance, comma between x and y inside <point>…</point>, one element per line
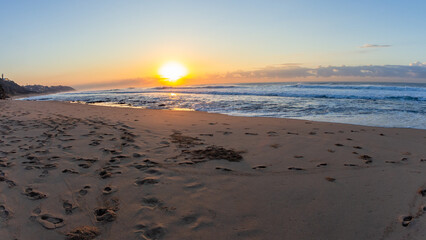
<point>418,64</point>
<point>414,70</point>
<point>375,45</point>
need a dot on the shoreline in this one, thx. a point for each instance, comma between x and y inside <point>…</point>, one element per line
<point>16,97</point>
<point>118,105</point>
<point>146,174</point>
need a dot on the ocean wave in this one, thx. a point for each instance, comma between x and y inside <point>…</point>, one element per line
<point>196,87</point>
<point>394,105</point>
<point>359,87</point>
<point>308,95</point>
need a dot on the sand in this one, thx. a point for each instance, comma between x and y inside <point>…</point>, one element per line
<point>74,171</point>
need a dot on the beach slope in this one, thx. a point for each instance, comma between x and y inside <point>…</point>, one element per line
<point>74,171</point>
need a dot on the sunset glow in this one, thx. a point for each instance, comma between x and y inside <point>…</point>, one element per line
<point>172,72</point>
<point>152,43</point>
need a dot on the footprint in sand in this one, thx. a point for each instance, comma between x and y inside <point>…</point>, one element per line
<point>224,169</point>
<point>112,151</point>
<point>156,232</point>
<point>69,171</point>
<point>50,166</point>
<point>147,164</point>
<point>105,214</point>
<point>195,186</point>
<point>104,174</point>
<point>292,133</point>
<point>95,142</point>
<point>272,134</point>
<point>50,222</point>
<point>367,158</point>
<point>146,181</point>
<point>68,207</point>
<point>108,171</point>
<point>322,165</point>
<point>33,194</point>
<point>186,163</point>
<point>189,219</point>
<point>84,190</point>
<point>296,169</point>
<point>259,167</point>
<point>138,155</point>
<point>153,171</point>
<point>4,213</point>
<point>108,190</point>
<point>206,134</point>
<point>393,162</point>
<point>151,202</point>
<point>330,179</point>
<point>83,233</point>
<point>406,220</point>
<point>85,165</point>
<point>350,165</point>
<point>10,183</point>
<point>114,161</point>
<point>250,133</point>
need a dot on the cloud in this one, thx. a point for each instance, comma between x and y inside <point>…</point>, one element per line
<point>415,70</point>
<point>289,64</point>
<point>418,64</point>
<point>117,83</point>
<point>375,46</point>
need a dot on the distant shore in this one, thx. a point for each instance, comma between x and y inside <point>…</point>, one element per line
<point>122,173</point>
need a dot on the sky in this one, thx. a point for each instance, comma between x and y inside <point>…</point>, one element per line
<point>108,43</point>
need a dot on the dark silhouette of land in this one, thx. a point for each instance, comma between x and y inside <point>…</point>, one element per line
<point>10,88</point>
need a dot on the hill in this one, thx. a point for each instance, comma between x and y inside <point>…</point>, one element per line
<point>46,89</point>
<point>10,88</point>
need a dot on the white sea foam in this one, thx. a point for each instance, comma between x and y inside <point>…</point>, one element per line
<point>373,104</point>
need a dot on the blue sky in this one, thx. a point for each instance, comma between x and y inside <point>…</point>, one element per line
<point>76,42</point>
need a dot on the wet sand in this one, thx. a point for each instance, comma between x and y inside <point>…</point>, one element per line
<point>73,171</point>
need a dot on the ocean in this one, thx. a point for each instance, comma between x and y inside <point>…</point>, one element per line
<point>370,104</point>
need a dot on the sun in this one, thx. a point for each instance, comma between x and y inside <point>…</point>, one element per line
<point>172,71</point>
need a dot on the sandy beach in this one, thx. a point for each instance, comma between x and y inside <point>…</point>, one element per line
<point>75,171</point>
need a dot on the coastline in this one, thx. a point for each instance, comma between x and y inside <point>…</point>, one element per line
<point>118,105</point>
<point>297,179</point>
<point>383,105</point>
<point>16,97</point>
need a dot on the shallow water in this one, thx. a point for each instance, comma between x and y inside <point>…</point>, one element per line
<point>371,104</point>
